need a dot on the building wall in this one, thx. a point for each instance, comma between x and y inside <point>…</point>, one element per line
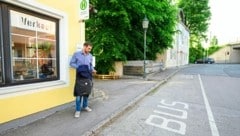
<point>22,100</point>
<point>227,54</point>
<point>178,54</point>
<point>235,56</point>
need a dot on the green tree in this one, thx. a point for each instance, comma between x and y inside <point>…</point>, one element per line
<point>197,16</point>
<point>196,53</point>
<point>213,46</point>
<point>117,34</point>
<point>214,41</point>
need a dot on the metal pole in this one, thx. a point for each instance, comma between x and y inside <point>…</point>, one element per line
<point>203,55</point>
<point>144,55</point>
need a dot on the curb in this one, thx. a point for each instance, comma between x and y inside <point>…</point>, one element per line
<point>118,113</point>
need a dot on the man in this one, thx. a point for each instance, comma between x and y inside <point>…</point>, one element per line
<point>82,61</point>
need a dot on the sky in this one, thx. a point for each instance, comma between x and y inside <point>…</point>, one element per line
<point>225,20</point>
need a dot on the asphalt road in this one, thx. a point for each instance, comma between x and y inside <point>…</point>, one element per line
<point>202,100</point>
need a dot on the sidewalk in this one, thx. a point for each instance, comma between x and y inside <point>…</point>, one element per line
<point>109,100</point>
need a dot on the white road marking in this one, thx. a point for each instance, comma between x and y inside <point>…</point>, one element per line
<point>211,120</point>
<point>182,116</point>
<point>154,120</point>
<point>171,125</point>
<point>174,103</point>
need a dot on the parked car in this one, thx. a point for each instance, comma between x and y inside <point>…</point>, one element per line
<point>205,60</point>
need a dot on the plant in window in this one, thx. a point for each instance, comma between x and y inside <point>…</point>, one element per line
<point>46,46</point>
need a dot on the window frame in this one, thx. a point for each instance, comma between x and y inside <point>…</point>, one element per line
<point>8,68</point>
<point>1,47</point>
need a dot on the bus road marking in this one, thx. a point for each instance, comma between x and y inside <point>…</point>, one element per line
<point>166,123</point>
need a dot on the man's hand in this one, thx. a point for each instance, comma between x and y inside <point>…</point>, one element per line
<point>94,71</point>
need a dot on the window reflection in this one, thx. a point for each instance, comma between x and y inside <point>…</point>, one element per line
<point>33,47</point>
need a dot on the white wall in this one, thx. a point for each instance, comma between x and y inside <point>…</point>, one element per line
<point>178,55</point>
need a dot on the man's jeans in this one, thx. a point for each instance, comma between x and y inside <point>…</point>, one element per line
<point>81,101</point>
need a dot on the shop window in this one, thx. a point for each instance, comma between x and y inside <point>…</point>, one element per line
<point>32,48</point>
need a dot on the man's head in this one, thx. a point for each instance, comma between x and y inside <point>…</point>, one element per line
<point>87,47</point>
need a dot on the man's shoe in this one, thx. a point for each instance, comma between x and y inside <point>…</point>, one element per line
<point>87,109</point>
<point>77,114</point>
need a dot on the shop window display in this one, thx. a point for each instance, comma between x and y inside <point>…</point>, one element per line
<point>29,48</point>
<point>33,47</point>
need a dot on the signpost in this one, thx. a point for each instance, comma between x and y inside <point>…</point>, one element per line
<point>84,9</point>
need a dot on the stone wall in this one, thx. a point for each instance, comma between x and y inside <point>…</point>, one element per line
<point>135,68</point>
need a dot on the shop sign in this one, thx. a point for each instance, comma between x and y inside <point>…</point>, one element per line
<point>29,22</point>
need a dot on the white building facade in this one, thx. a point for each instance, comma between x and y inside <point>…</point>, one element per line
<point>178,55</point>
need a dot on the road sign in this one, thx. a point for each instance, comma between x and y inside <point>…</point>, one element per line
<point>84,9</point>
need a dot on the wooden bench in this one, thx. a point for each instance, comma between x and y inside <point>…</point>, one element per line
<point>100,76</point>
